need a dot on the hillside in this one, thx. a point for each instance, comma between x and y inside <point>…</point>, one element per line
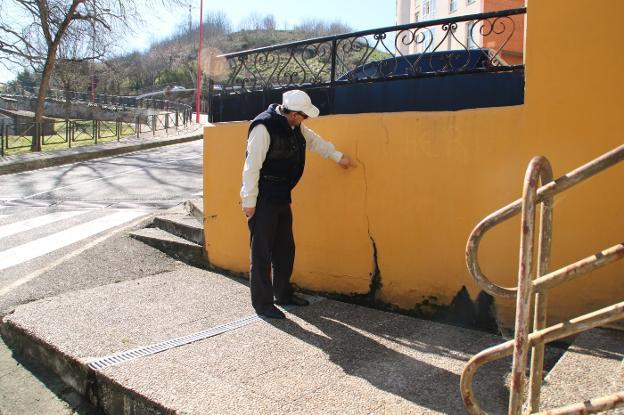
<point>174,61</point>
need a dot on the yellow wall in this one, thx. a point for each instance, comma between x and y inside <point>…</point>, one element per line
<point>423,181</point>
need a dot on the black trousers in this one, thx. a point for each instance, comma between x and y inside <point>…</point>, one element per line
<point>272,248</point>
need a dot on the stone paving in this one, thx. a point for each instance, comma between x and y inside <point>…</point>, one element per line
<point>329,357</point>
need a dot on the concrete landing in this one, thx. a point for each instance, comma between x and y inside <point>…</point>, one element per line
<point>592,367</point>
<point>329,357</point>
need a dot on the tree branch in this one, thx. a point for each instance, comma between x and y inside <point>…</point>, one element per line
<point>44,16</point>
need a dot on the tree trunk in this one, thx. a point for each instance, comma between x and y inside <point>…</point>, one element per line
<point>53,44</point>
<point>41,95</point>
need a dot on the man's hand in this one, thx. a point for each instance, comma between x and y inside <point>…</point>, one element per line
<point>249,212</point>
<point>345,162</point>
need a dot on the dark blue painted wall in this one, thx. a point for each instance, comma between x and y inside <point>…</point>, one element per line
<point>438,93</point>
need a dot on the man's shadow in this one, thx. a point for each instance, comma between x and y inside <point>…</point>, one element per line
<point>407,357</point>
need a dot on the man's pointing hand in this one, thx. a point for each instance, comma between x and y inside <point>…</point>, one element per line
<point>345,162</point>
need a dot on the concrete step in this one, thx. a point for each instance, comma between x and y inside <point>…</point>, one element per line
<point>329,357</point>
<point>182,225</point>
<point>592,367</point>
<point>180,248</point>
<point>195,208</point>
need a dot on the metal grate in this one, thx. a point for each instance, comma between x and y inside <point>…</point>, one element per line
<point>104,362</point>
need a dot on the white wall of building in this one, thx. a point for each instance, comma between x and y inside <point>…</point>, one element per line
<point>434,38</point>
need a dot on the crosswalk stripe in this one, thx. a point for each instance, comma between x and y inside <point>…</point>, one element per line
<point>28,224</point>
<point>30,250</point>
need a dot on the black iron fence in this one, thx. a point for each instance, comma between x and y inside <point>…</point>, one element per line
<point>61,133</point>
<point>486,43</point>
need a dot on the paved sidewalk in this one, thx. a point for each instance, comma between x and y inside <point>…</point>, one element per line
<point>37,160</point>
<point>329,357</point>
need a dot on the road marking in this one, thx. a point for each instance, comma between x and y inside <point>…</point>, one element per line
<point>43,246</point>
<point>28,224</point>
<point>104,177</point>
<point>67,257</point>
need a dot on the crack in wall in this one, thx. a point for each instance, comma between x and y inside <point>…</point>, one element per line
<point>375,280</point>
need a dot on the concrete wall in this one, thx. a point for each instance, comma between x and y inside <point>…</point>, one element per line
<point>423,181</point>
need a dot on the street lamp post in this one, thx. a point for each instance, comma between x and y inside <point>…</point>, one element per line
<point>198,94</point>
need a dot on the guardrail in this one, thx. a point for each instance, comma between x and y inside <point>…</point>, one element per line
<point>71,132</point>
<point>359,56</point>
<point>111,102</point>
<point>536,289</point>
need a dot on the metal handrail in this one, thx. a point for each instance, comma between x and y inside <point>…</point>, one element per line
<point>539,168</point>
<point>558,331</point>
<point>550,189</point>
<point>121,101</point>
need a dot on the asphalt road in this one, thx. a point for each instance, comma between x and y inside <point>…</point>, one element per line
<point>64,228</point>
<point>156,178</point>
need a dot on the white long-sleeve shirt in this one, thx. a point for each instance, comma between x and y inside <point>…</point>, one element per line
<point>257,147</point>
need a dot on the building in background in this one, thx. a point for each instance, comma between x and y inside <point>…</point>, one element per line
<point>470,34</point>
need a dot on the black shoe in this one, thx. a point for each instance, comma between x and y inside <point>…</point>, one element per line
<point>271,312</point>
<point>294,300</point>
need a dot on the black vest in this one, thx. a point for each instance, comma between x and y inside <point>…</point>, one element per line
<point>285,159</point>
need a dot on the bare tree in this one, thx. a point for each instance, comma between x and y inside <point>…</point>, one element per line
<point>268,23</point>
<point>316,27</point>
<point>33,32</point>
<point>71,71</point>
<point>252,22</point>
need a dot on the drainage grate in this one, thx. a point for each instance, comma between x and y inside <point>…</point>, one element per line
<point>103,362</point>
<point>115,359</point>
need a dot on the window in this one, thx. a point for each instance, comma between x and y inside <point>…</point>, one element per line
<point>452,6</point>
<point>470,1</point>
<point>416,17</point>
<point>426,7</point>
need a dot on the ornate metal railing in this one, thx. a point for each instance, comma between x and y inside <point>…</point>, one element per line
<point>485,42</point>
<point>533,286</point>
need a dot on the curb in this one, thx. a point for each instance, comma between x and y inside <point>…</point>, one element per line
<point>20,166</point>
<point>102,392</point>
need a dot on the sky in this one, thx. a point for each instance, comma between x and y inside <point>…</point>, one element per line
<point>162,22</point>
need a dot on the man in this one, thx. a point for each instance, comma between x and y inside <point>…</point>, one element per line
<point>275,160</point>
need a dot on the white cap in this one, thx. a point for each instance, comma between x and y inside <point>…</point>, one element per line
<point>297,100</point>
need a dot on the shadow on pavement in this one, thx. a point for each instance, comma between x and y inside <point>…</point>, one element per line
<point>416,360</point>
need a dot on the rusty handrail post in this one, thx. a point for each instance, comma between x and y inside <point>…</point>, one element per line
<point>548,190</point>
<point>541,299</point>
<point>538,167</point>
<point>604,403</point>
<point>558,331</point>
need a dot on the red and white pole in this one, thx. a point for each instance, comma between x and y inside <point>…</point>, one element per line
<point>198,94</point>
